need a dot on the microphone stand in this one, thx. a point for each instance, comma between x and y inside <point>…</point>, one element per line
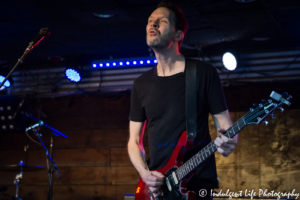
<point>18,63</point>
<point>52,167</point>
<point>44,32</point>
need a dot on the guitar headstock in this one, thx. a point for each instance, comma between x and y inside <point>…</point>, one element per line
<point>258,113</point>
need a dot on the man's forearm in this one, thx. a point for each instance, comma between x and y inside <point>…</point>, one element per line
<point>137,157</point>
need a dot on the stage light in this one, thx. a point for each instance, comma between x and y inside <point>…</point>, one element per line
<point>4,127</point>
<point>125,62</point>
<point>6,84</point>
<point>94,65</point>
<point>101,65</point>
<point>11,126</point>
<point>229,61</point>
<point>72,75</point>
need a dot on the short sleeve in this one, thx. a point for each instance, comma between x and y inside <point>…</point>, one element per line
<point>137,112</point>
<point>215,97</point>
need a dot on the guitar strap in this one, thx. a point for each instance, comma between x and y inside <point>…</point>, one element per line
<point>191,98</point>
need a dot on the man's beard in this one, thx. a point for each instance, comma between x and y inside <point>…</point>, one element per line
<point>161,41</point>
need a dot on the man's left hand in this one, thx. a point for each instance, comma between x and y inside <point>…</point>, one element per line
<point>225,145</point>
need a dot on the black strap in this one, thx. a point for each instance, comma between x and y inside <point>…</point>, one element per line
<point>191,99</point>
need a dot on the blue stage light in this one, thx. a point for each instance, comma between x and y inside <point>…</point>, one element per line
<point>94,65</point>
<point>148,61</point>
<point>107,64</point>
<point>155,61</point>
<point>101,65</point>
<point>114,64</point>
<point>127,63</point>
<point>134,62</point>
<point>141,62</point>
<point>6,84</point>
<point>73,75</point>
<point>121,63</point>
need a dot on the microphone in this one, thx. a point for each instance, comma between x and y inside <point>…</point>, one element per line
<point>40,123</point>
<point>44,33</point>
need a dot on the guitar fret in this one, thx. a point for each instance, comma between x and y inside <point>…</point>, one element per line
<point>195,161</point>
<point>233,130</point>
<point>191,165</point>
<point>198,159</point>
<point>244,121</point>
<point>187,167</point>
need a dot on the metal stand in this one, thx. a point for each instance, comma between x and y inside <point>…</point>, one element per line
<point>50,171</point>
<point>52,167</point>
<point>17,180</point>
<point>18,63</point>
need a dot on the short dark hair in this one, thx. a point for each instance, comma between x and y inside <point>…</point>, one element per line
<point>180,21</point>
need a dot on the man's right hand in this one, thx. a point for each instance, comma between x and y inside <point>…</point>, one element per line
<point>153,180</point>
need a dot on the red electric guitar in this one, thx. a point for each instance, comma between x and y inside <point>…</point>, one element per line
<point>177,174</point>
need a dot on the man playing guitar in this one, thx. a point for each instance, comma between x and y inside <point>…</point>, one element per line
<point>158,96</point>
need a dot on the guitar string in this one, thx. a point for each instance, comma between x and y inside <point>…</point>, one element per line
<point>209,148</point>
<point>211,145</point>
<point>202,153</point>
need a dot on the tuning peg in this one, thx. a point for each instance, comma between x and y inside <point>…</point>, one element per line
<point>273,116</point>
<point>255,104</point>
<point>270,100</point>
<point>281,109</point>
<point>251,109</point>
<point>266,122</point>
<point>263,100</point>
<point>258,119</point>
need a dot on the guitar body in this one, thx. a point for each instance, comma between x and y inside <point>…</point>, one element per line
<point>178,191</point>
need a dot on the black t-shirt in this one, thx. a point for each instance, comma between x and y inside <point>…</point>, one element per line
<point>161,101</point>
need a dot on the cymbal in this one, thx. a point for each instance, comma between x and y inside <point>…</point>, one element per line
<point>25,168</point>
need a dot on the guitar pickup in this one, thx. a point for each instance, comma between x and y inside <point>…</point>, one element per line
<point>175,178</point>
<point>168,184</point>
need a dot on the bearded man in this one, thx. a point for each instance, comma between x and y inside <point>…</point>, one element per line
<point>158,96</point>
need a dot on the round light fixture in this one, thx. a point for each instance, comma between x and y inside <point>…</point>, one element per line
<point>229,61</point>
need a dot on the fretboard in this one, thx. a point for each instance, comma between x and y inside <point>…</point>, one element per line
<point>208,151</point>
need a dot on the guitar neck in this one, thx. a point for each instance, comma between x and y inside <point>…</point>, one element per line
<point>208,151</point>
